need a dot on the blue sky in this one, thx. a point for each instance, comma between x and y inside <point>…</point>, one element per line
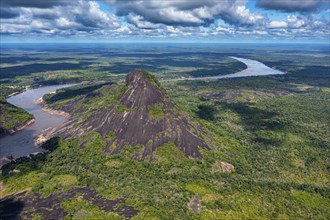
<point>165,21</point>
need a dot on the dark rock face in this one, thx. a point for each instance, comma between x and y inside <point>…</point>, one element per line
<point>49,207</point>
<point>137,126</point>
<point>141,92</point>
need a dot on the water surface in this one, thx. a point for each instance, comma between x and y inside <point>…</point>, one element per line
<point>21,143</point>
<point>254,68</point>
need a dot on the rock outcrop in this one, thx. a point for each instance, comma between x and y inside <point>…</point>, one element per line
<point>146,117</point>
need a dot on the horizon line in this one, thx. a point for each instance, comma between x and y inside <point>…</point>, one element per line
<point>160,42</point>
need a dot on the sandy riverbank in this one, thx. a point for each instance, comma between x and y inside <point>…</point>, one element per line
<point>21,127</point>
<point>44,107</point>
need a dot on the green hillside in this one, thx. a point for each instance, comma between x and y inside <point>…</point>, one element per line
<point>269,158</point>
<point>12,117</point>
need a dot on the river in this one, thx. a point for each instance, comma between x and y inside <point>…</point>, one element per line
<point>22,142</point>
<point>254,68</point>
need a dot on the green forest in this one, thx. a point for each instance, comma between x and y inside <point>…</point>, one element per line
<point>269,135</point>
<point>277,142</point>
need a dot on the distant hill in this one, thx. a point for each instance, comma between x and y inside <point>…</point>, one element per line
<point>137,115</point>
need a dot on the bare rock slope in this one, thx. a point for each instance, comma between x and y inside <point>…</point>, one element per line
<point>144,116</point>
